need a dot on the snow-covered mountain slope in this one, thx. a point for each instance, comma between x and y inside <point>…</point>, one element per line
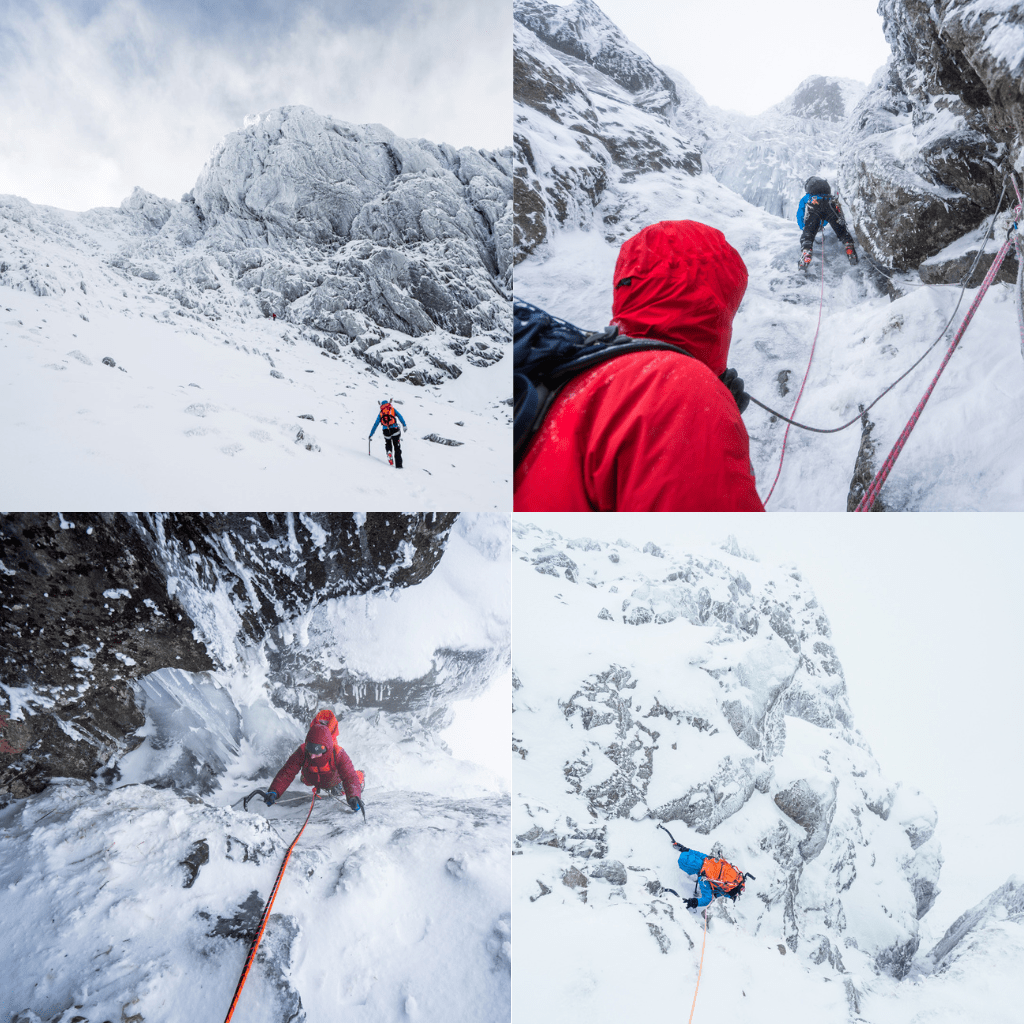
<point>594,166</point>
<point>387,264</point>
<point>702,691</point>
<point>160,875</point>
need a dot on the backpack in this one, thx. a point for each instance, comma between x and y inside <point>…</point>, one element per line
<point>725,880</point>
<point>387,415</point>
<point>548,353</point>
<point>327,719</point>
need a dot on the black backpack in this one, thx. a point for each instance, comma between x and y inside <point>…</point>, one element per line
<point>548,353</point>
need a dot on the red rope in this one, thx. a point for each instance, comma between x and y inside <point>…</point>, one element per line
<point>792,415</point>
<point>266,914</point>
<point>701,968</point>
<point>876,485</point>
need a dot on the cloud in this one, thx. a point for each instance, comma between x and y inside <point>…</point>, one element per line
<point>104,95</point>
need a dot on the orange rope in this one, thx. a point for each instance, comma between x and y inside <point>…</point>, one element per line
<point>701,968</point>
<point>266,914</point>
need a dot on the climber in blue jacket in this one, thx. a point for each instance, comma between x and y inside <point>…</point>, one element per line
<point>816,206</point>
<point>386,420</point>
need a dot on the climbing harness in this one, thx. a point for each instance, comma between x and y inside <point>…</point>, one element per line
<point>266,913</point>
<point>701,968</point>
<point>785,437</point>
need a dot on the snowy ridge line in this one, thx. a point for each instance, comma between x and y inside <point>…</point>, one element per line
<point>198,350</point>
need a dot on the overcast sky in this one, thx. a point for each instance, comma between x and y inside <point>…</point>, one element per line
<point>748,55</point>
<point>926,613</point>
<point>103,95</point>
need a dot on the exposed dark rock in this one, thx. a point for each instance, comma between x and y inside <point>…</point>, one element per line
<point>612,871</point>
<point>928,146</point>
<point>197,856</point>
<point>89,608</point>
<point>813,809</point>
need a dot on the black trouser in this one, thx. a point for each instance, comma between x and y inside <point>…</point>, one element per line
<point>391,439</point>
<point>823,208</point>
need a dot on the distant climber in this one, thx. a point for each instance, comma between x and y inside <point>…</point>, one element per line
<point>390,429</point>
<point>816,206</point>
<point>323,762</point>
<point>657,428</point>
<point>715,877</point>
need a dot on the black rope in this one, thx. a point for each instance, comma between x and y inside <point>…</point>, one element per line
<point>864,411</point>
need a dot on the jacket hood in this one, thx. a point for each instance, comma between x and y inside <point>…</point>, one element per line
<point>680,281</point>
<point>320,734</point>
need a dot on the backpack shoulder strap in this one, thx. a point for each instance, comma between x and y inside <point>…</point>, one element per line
<point>592,350</point>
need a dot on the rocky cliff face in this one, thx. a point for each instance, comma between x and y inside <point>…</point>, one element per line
<point>927,149</point>
<point>591,112</point>
<point>705,693</point>
<point>93,602</point>
<point>396,251</point>
<point>594,114</point>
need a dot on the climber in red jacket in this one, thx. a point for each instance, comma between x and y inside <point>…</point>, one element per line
<point>653,431</point>
<point>323,762</point>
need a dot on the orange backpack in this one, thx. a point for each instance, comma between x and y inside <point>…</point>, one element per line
<point>387,415</point>
<point>326,718</point>
<point>724,878</point>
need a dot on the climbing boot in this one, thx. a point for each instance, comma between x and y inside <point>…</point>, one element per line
<point>851,255</point>
<point>805,259</point>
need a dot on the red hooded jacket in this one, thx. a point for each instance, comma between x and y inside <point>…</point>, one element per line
<point>653,431</point>
<point>334,768</point>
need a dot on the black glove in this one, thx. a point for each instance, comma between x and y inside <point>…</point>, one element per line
<point>692,903</point>
<point>681,848</point>
<point>734,382</point>
<point>353,803</point>
<point>270,798</point>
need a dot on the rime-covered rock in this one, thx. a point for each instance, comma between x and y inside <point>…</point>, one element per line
<point>720,712</point>
<point>927,147</point>
<point>398,250</point>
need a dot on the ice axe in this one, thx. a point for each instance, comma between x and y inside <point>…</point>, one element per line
<point>255,792</point>
<point>673,838</point>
